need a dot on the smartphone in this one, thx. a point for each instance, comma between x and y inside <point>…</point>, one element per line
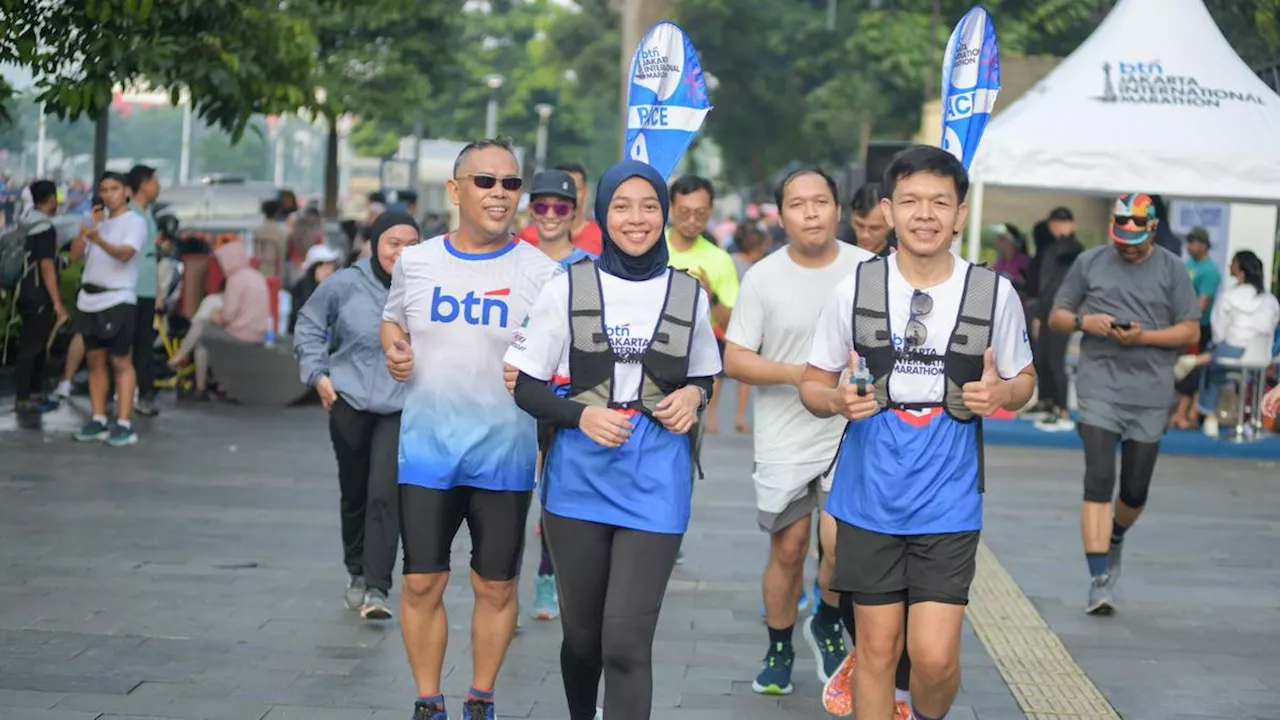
<point>1122,325</point>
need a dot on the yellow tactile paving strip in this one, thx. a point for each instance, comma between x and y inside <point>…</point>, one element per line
<point>1046,682</point>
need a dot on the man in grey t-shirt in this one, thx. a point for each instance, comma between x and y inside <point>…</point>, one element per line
<point>1136,306</point>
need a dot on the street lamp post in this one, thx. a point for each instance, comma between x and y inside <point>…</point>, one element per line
<point>491,115</point>
<point>540,153</point>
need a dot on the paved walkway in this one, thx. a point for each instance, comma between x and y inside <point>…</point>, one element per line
<point>198,575</point>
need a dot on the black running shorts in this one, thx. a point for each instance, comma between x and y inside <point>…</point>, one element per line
<point>430,519</point>
<point>883,569</point>
<point>111,329</point>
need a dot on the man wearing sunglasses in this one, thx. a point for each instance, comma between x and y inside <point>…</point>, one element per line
<point>467,453</point>
<point>933,344</point>
<point>1137,308</point>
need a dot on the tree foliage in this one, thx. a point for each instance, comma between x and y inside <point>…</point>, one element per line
<point>546,53</point>
<point>235,57</point>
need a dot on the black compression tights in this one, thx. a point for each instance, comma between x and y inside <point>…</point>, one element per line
<point>611,583</point>
<point>1137,465</point>
<point>902,679</point>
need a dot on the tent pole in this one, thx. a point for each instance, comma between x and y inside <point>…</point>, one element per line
<point>975,221</point>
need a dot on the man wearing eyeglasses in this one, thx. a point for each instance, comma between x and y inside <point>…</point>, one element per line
<point>690,250</point>
<point>932,344</point>
<point>1137,308</point>
<point>466,451</point>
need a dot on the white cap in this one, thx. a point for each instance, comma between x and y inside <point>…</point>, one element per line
<point>318,254</point>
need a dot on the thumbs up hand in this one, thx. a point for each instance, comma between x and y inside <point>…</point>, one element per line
<point>991,392</point>
<point>400,361</point>
<point>849,402</point>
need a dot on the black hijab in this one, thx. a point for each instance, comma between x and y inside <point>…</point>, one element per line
<point>612,259</point>
<point>384,222</point>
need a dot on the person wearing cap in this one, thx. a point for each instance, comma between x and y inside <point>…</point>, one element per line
<point>364,404</point>
<point>1205,279</point>
<point>553,203</point>
<point>321,262</point>
<point>1136,307</point>
<point>1056,249</point>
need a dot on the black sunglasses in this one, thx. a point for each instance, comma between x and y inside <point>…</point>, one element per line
<point>921,305</point>
<point>485,181</point>
<point>1131,220</point>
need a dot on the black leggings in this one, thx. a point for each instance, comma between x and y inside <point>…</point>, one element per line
<point>611,582</point>
<point>1051,366</point>
<point>28,376</point>
<point>1137,465</point>
<point>367,446</point>
<point>902,679</point>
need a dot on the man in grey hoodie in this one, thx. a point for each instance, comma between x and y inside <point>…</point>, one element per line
<point>340,355</point>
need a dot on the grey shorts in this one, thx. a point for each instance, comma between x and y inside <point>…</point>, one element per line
<point>1141,424</point>
<point>814,498</point>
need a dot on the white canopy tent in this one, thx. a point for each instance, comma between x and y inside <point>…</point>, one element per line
<point>1155,101</point>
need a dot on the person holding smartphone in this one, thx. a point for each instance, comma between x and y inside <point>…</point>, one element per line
<point>1137,308</point>
<point>105,316</point>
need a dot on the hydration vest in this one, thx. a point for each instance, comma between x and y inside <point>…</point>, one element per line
<point>665,363</point>
<point>963,362</point>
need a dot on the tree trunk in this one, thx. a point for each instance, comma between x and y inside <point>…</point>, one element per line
<point>331,169</point>
<point>100,132</point>
<point>637,17</point>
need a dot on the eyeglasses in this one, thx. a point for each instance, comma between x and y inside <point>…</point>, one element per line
<point>687,214</point>
<point>921,305</point>
<point>1133,220</point>
<point>485,181</point>
<point>561,209</point>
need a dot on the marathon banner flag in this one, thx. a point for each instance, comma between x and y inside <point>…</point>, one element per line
<point>970,83</point>
<point>667,102</point>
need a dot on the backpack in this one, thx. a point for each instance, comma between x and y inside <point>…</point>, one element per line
<point>14,264</point>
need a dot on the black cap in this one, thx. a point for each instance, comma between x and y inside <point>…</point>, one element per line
<point>1061,213</point>
<point>557,183</point>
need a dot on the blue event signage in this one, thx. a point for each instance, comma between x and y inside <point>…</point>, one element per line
<point>970,83</point>
<point>668,101</point>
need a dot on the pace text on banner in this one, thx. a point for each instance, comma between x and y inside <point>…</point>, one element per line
<point>970,83</point>
<point>668,101</point>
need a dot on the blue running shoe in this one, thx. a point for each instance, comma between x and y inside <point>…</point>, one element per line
<point>827,643</point>
<point>93,431</point>
<point>546,601</point>
<point>775,671</point>
<point>429,711</point>
<point>121,436</point>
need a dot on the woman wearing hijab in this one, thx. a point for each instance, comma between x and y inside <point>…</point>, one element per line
<point>627,382</point>
<point>340,355</point>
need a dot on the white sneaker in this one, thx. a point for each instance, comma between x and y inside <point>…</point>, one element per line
<point>1210,427</point>
<point>1056,424</point>
<point>63,391</point>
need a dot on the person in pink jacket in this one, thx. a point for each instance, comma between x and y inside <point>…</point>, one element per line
<point>242,311</point>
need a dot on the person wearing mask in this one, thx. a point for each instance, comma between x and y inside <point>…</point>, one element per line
<point>1052,411</point>
<point>320,263</point>
<point>1205,279</point>
<point>243,313</point>
<point>340,354</point>
<point>1243,327</point>
<point>617,482</point>
<point>932,344</point>
<point>39,303</point>
<point>692,198</point>
<point>870,231</point>
<point>467,453</point>
<point>769,338</point>
<point>145,189</point>
<point>1135,304</point>
<point>110,245</point>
